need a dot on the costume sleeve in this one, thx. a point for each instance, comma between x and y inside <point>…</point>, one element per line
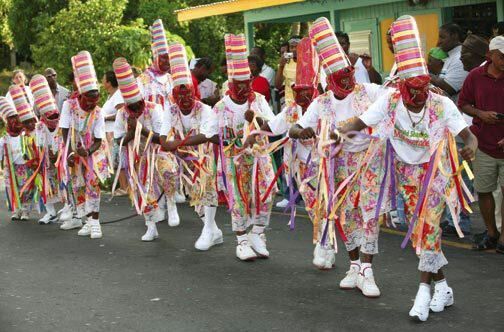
<point>311,117</point>
<point>376,112</point>
<point>212,125</point>
<point>453,117</point>
<point>264,107</point>
<point>466,96</point>
<point>119,125</point>
<point>278,124</point>
<point>64,121</point>
<point>166,123</point>
<point>375,91</point>
<point>99,127</point>
<point>206,121</point>
<point>157,119</point>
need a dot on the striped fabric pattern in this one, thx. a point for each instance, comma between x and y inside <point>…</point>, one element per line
<point>407,48</point>
<point>84,72</point>
<point>236,57</point>
<point>42,95</point>
<point>331,54</point>
<point>126,81</point>
<point>21,103</point>
<point>6,109</point>
<point>179,67</point>
<point>307,64</point>
<point>159,44</point>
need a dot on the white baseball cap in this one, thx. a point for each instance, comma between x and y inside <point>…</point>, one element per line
<point>497,44</point>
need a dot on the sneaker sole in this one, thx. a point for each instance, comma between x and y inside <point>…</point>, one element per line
<point>251,259</point>
<point>368,296</point>
<point>67,229</point>
<point>417,319</point>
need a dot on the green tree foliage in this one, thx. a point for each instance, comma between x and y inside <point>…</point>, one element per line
<point>29,17</point>
<point>5,32</point>
<point>95,26</point>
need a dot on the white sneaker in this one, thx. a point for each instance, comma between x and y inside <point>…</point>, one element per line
<point>24,215</point>
<point>350,281</point>
<point>85,230</point>
<point>47,219</point>
<point>179,198</point>
<point>420,309</point>
<point>244,252</point>
<point>443,297</point>
<point>208,239</point>
<point>258,245</point>
<point>282,204</point>
<point>65,213</point>
<point>96,232</point>
<point>323,258</point>
<point>173,216</point>
<point>16,215</point>
<point>367,284</point>
<point>151,234</point>
<point>71,224</point>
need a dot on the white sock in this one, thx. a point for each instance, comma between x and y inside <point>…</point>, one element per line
<point>424,288</point>
<point>50,209</point>
<point>210,212</point>
<point>441,284</point>
<point>257,229</point>
<point>366,270</point>
<point>241,238</point>
<point>356,265</point>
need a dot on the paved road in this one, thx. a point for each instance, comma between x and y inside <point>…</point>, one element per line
<point>52,280</point>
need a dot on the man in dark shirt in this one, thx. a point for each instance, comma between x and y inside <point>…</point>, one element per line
<point>482,98</point>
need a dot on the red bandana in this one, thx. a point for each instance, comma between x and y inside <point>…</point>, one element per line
<point>415,90</point>
<point>342,82</point>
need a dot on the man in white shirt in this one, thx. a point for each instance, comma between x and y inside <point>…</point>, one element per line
<point>59,92</point>
<point>453,74</point>
<point>267,72</point>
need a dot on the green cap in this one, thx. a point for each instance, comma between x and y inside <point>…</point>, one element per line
<point>438,53</point>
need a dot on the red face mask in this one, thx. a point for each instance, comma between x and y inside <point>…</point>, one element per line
<point>161,63</point>
<point>29,125</point>
<point>89,100</point>
<point>14,126</point>
<point>135,110</point>
<point>342,82</point>
<point>240,91</point>
<point>51,119</point>
<point>415,90</point>
<point>303,96</point>
<point>184,97</point>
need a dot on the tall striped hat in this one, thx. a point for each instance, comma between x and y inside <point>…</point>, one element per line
<point>84,72</point>
<point>331,54</point>
<point>236,57</point>
<point>407,48</point>
<point>21,103</point>
<point>307,64</point>
<point>126,81</point>
<point>159,44</point>
<point>44,100</point>
<point>179,67</point>
<point>6,109</point>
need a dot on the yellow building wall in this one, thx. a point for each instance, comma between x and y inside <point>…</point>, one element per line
<point>428,26</point>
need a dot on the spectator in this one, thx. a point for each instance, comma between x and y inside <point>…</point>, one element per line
<point>473,52</point>
<point>267,72</point>
<point>481,98</point>
<point>19,79</point>
<point>284,47</point>
<point>436,60</point>
<point>59,92</point>
<point>286,74</point>
<point>364,70</point>
<point>201,70</point>
<point>453,74</point>
<point>259,84</point>
<point>472,56</point>
<point>112,105</point>
<point>223,70</point>
<point>498,29</point>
